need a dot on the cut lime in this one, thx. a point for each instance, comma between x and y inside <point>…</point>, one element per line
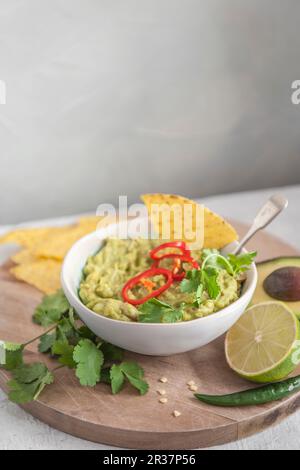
<point>263,346</point>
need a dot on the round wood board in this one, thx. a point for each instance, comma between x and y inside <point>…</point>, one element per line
<point>128,420</point>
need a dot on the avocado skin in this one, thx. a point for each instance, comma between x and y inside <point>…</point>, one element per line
<point>264,269</point>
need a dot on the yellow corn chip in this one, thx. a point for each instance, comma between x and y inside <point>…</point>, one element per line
<point>42,274</point>
<point>56,245</point>
<point>210,228</point>
<point>217,232</point>
<point>39,263</point>
<point>90,221</point>
<point>24,257</point>
<point>25,237</point>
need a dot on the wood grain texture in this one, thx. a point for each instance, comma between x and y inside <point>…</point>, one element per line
<point>128,420</point>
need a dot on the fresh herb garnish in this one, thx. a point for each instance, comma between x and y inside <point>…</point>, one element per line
<point>206,279</point>
<point>156,311</point>
<point>64,352</point>
<point>89,360</point>
<point>131,372</point>
<point>51,309</point>
<point>46,342</point>
<point>241,263</point>
<point>200,280</point>
<point>234,264</point>
<point>28,382</point>
<point>13,355</point>
<point>74,346</point>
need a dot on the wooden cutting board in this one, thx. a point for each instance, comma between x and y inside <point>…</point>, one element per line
<point>128,420</point>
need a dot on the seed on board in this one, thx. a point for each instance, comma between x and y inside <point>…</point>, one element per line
<point>176,413</point>
<point>191,383</point>
<point>163,380</point>
<point>193,388</point>
<point>163,400</point>
<point>161,392</point>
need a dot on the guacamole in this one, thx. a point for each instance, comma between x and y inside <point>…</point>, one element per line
<point>105,274</point>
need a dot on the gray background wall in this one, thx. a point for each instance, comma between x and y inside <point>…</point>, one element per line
<point>108,97</point>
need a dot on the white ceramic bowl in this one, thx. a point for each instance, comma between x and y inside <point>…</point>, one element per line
<point>157,339</point>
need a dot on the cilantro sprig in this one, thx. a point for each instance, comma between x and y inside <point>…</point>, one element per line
<point>198,281</point>
<point>73,346</point>
<point>28,382</point>
<point>128,371</point>
<point>51,309</point>
<point>234,264</point>
<point>156,311</point>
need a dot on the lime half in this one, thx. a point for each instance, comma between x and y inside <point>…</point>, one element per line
<point>263,346</point>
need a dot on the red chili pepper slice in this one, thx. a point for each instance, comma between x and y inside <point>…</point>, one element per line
<point>177,276</point>
<point>154,271</point>
<point>154,254</point>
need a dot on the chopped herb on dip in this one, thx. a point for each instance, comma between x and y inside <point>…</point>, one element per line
<point>203,282</point>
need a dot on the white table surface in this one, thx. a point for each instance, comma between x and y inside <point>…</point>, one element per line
<point>19,430</point>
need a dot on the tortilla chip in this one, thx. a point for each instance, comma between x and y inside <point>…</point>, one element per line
<point>24,257</point>
<point>42,274</point>
<point>90,221</point>
<point>214,231</point>
<point>25,237</point>
<point>39,262</point>
<point>57,245</point>
<point>217,232</point>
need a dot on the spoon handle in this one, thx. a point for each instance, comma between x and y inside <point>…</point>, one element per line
<point>270,210</point>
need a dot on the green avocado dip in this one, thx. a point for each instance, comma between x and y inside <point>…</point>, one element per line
<point>106,273</point>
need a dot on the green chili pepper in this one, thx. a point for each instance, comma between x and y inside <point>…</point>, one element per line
<point>254,396</point>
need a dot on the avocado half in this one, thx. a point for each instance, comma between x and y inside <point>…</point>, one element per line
<point>264,269</point>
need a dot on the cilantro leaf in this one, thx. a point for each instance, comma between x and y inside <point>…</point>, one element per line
<point>51,309</point>
<point>74,347</point>
<point>117,379</point>
<point>215,260</point>
<point>72,317</point>
<point>105,375</point>
<point>191,281</point>
<point>130,371</point>
<point>89,360</point>
<point>46,342</point>
<point>111,352</point>
<point>47,379</point>
<point>200,280</point>
<point>209,277</point>
<point>134,374</point>
<point>240,263</point>
<point>218,261</point>
<point>13,355</point>
<point>172,315</point>
<point>155,311</point>
<point>28,382</point>
<point>66,332</point>
<point>206,279</point>
<point>27,373</point>
<point>65,352</point>
<point>234,264</point>
<point>199,294</point>
<point>85,332</point>
<point>21,393</point>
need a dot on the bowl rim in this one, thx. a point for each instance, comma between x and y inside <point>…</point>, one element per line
<point>69,291</point>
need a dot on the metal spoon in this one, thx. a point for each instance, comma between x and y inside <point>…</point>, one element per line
<point>271,209</point>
